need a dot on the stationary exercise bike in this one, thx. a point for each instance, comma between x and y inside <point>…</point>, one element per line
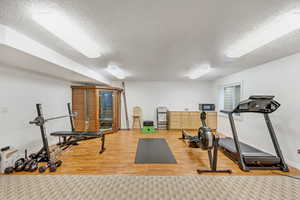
<point>206,140</point>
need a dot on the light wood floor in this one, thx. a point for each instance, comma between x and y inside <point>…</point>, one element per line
<point>120,155</point>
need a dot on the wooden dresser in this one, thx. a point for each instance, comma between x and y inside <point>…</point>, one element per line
<point>190,120</point>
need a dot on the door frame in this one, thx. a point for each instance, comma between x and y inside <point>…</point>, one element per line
<point>116,101</point>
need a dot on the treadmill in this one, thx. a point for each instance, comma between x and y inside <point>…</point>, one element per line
<point>247,157</point>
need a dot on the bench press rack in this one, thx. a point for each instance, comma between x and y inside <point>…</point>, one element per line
<point>69,137</point>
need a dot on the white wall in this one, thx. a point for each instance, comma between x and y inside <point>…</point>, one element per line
<point>19,92</point>
<point>279,78</point>
<point>176,95</point>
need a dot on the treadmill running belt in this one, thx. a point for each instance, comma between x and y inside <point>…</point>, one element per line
<point>228,143</point>
<point>154,150</point>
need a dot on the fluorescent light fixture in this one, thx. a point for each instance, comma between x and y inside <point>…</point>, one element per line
<point>116,71</point>
<point>199,71</point>
<point>63,27</point>
<point>268,32</point>
<point>20,43</point>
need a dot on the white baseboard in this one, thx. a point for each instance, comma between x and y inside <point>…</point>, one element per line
<point>293,164</point>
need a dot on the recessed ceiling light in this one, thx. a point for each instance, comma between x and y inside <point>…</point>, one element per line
<point>199,71</point>
<point>266,33</point>
<point>116,71</point>
<point>65,29</point>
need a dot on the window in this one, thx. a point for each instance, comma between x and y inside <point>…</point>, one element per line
<point>232,96</point>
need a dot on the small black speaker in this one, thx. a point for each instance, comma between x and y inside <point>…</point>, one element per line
<point>148,123</point>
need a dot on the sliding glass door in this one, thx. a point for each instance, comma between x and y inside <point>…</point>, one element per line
<point>106,114</point>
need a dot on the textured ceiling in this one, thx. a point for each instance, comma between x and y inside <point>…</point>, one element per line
<point>159,40</point>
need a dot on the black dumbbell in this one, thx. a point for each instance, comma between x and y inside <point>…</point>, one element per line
<point>51,165</point>
<point>58,163</point>
<point>32,156</point>
<point>9,170</point>
<point>33,166</point>
<point>42,169</point>
<point>28,165</point>
<point>20,164</point>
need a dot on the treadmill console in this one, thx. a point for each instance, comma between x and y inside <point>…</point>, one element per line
<point>258,104</point>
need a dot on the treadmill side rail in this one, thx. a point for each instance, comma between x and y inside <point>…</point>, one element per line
<point>275,142</point>
<point>237,143</point>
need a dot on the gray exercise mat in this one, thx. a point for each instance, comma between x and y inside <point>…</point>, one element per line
<point>154,150</point>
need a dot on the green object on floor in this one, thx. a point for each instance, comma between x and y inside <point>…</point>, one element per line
<point>148,129</point>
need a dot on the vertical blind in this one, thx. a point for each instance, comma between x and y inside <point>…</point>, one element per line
<point>232,95</point>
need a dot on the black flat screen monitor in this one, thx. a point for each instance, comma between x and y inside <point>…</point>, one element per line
<point>207,107</point>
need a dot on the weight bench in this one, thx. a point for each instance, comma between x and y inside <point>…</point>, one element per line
<point>72,137</point>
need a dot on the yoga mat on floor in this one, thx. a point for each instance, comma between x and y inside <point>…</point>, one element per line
<point>153,150</point>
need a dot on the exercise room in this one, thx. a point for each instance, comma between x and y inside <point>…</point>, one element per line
<point>138,99</point>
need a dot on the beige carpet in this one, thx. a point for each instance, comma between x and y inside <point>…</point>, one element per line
<point>53,187</point>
